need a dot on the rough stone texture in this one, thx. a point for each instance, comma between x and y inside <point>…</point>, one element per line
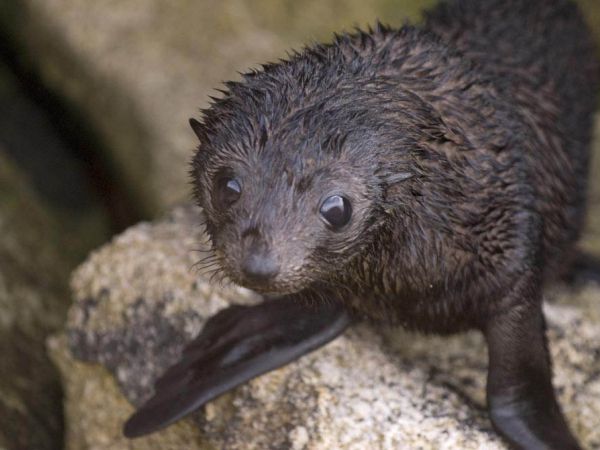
<point>138,300</point>
<point>102,410</point>
<point>32,303</point>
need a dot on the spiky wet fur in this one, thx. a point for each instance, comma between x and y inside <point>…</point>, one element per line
<point>463,145</point>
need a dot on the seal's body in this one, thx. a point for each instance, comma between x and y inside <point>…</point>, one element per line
<point>428,177</point>
<point>541,61</point>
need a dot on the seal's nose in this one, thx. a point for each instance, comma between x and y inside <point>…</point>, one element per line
<point>259,267</point>
<point>258,264</point>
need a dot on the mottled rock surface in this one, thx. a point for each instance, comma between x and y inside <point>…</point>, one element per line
<point>139,299</point>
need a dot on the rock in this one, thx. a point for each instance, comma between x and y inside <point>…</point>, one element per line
<point>139,299</point>
<point>51,169</point>
<point>102,409</point>
<point>45,229</point>
<point>32,303</point>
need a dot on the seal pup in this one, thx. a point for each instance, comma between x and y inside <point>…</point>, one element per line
<point>427,177</point>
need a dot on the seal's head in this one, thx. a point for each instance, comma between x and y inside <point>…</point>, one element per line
<point>294,166</point>
<point>285,203</point>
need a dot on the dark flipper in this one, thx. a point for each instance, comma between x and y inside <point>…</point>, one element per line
<point>521,399</point>
<point>236,345</point>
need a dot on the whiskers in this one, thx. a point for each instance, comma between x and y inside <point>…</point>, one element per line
<point>208,266</point>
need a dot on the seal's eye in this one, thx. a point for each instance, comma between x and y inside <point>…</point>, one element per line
<point>336,210</point>
<point>228,191</point>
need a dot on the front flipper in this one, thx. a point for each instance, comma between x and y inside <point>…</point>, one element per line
<point>236,345</point>
<point>521,400</point>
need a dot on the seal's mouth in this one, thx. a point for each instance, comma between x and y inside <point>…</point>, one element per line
<point>273,287</point>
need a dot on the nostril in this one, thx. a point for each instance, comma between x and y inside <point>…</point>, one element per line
<point>259,267</point>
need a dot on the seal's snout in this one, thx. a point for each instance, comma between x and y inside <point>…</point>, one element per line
<point>259,267</point>
<point>258,263</point>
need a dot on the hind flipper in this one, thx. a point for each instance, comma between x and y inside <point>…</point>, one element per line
<point>236,345</point>
<point>521,399</point>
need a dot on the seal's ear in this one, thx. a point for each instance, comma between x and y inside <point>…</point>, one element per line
<point>198,129</point>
